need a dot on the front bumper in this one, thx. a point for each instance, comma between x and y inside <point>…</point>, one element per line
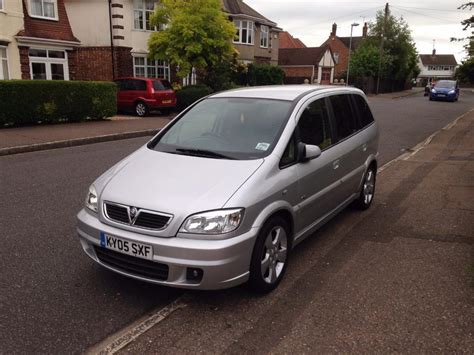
<point>442,96</point>
<point>225,263</point>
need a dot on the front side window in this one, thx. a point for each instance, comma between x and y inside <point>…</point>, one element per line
<point>314,125</point>
<point>43,8</point>
<point>264,30</point>
<point>4,64</point>
<point>148,68</point>
<point>233,128</point>
<point>244,32</point>
<point>48,64</point>
<point>346,122</point>
<point>142,11</point>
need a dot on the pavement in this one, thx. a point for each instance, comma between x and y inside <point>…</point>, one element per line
<point>42,137</point>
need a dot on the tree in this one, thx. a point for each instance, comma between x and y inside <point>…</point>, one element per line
<point>399,55</point>
<point>465,72</point>
<point>196,34</point>
<point>467,23</point>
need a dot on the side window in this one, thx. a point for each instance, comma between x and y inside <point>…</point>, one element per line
<point>365,115</point>
<point>314,127</point>
<point>346,122</point>
<point>139,85</point>
<point>290,155</point>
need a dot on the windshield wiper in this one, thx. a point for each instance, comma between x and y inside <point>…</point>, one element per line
<point>203,153</point>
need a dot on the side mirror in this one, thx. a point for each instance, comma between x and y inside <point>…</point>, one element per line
<point>307,152</point>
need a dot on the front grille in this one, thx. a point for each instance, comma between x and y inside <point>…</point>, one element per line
<point>142,219</point>
<point>117,213</point>
<point>132,265</point>
<point>151,220</point>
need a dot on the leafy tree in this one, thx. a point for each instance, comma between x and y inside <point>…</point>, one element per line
<point>399,55</point>
<point>465,72</point>
<point>467,23</point>
<point>196,34</point>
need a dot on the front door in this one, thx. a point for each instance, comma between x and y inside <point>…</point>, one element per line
<point>326,76</point>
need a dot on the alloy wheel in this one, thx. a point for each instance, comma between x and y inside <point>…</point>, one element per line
<point>274,254</point>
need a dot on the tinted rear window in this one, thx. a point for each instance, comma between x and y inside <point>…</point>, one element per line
<point>365,115</point>
<point>162,85</point>
<point>346,122</point>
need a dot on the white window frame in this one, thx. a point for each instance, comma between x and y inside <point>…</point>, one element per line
<point>250,28</point>
<point>191,78</point>
<point>147,64</point>
<point>55,18</point>
<point>144,12</point>
<point>6,61</point>
<point>48,61</point>
<point>264,36</point>
<point>1,6</point>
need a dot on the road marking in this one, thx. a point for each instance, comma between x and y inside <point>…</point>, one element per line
<point>420,146</point>
<point>123,337</point>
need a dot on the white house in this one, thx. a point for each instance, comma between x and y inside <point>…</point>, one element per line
<point>436,66</point>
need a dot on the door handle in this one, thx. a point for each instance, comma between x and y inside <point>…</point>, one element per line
<point>364,147</point>
<point>335,164</point>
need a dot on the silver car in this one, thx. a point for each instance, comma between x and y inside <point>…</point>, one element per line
<point>225,191</point>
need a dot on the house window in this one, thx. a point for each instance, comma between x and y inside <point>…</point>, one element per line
<point>336,57</point>
<point>48,64</point>
<point>142,11</point>
<point>264,30</point>
<point>244,33</point>
<point>148,68</point>
<point>3,64</point>
<point>43,8</point>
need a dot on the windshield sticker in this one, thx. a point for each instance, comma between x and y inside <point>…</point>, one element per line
<point>262,146</point>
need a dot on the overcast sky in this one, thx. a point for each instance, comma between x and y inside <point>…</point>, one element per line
<point>311,20</point>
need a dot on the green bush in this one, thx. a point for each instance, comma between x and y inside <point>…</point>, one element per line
<point>190,94</point>
<point>30,101</point>
<point>264,74</point>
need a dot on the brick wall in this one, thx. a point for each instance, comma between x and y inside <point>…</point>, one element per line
<point>25,62</point>
<point>50,29</point>
<point>123,62</point>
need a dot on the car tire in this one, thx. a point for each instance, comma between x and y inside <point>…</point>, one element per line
<point>141,109</point>
<point>367,191</point>
<point>270,255</point>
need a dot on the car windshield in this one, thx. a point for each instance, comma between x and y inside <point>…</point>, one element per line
<point>446,84</point>
<point>232,128</point>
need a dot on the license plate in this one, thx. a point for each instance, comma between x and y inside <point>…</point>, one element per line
<point>166,101</point>
<point>128,247</point>
<point>442,95</point>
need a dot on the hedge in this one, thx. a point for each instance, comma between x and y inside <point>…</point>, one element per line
<point>264,74</point>
<point>189,94</point>
<point>31,101</point>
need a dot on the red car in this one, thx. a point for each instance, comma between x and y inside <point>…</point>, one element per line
<point>145,94</point>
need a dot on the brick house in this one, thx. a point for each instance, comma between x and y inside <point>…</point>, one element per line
<point>257,37</point>
<point>436,66</point>
<point>340,48</point>
<point>38,40</point>
<point>288,41</point>
<point>315,64</point>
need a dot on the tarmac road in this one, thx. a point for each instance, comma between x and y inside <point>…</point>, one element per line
<point>53,299</point>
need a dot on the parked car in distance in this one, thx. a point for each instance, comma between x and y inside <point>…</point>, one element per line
<point>141,95</point>
<point>445,90</point>
<point>225,191</point>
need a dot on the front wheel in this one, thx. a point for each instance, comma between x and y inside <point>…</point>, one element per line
<point>367,191</point>
<point>270,255</point>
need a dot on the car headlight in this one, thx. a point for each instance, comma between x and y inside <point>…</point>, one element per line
<point>91,199</point>
<point>451,92</point>
<point>433,91</point>
<point>213,222</point>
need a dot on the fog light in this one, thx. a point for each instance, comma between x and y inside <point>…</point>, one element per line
<point>194,274</point>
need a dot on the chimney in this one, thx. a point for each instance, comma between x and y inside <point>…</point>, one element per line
<point>434,51</point>
<point>364,30</point>
<point>334,29</point>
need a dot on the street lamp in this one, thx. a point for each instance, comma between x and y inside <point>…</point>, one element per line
<point>350,48</point>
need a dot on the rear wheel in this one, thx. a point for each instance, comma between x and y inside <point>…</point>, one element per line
<point>367,191</point>
<point>270,255</point>
<point>141,109</point>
